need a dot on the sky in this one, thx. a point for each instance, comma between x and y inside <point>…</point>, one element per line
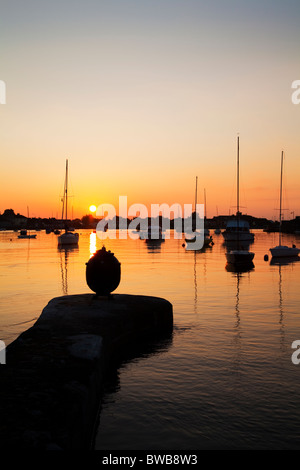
<point>142,96</point>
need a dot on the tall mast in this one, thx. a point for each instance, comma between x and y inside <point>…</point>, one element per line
<point>280,217</point>
<point>238,193</point>
<point>238,174</point>
<point>66,186</point>
<point>196,195</point>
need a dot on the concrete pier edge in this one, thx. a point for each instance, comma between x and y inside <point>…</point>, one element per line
<point>52,382</point>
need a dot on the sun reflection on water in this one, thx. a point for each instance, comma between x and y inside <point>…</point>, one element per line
<point>93,243</point>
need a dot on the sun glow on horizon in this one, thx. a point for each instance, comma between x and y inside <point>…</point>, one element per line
<point>92,208</point>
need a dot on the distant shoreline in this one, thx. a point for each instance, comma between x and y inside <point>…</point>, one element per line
<point>11,221</point>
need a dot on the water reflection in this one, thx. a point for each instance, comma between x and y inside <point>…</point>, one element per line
<point>139,350</point>
<point>241,245</point>
<point>153,246</point>
<point>237,330</point>
<point>237,338</point>
<point>64,253</point>
<point>191,247</point>
<point>284,261</point>
<point>136,351</point>
<point>93,243</point>
<point>195,282</point>
<point>239,269</point>
<point>237,304</point>
<point>281,263</point>
<point>282,333</point>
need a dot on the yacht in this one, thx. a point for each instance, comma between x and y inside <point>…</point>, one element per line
<point>283,251</point>
<point>68,237</point>
<point>238,231</point>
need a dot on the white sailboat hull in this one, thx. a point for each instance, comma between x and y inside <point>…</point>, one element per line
<point>282,251</point>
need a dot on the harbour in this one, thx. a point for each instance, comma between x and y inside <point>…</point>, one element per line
<point>224,379</point>
<point>149,228</point>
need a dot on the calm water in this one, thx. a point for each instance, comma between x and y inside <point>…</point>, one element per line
<point>225,378</point>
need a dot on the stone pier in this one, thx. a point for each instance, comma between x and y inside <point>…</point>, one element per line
<point>52,381</point>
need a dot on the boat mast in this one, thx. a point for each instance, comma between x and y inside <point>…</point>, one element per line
<point>238,175</point>
<point>65,196</point>
<point>194,218</point>
<point>28,217</point>
<point>66,186</point>
<point>280,217</point>
<point>196,195</point>
<point>238,192</point>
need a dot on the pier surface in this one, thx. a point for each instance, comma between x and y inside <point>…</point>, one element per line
<point>52,381</point>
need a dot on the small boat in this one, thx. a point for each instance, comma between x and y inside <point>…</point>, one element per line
<point>201,234</point>
<point>154,233</point>
<point>68,237</point>
<point>283,251</point>
<point>238,256</point>
<point>25,234</point>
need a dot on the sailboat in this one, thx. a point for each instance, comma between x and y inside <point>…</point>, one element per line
<point>239,256</point>
<point>24,233</point>
<point>282,250</point>
<point>68,237</point>
<point>238,230</point>
<point>191,238</point>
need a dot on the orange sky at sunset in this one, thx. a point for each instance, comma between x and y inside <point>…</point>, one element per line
<point>142,97</point>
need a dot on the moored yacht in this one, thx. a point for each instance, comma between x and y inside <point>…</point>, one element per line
<point>238,229</point>
<point>24,234</point>
<point>68,237</point>
<point>238,232</point>
<point>283,251</point>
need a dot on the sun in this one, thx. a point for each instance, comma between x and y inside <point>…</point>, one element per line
<point>93,208</point>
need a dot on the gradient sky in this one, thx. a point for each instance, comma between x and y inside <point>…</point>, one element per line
<point>142,96</point>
